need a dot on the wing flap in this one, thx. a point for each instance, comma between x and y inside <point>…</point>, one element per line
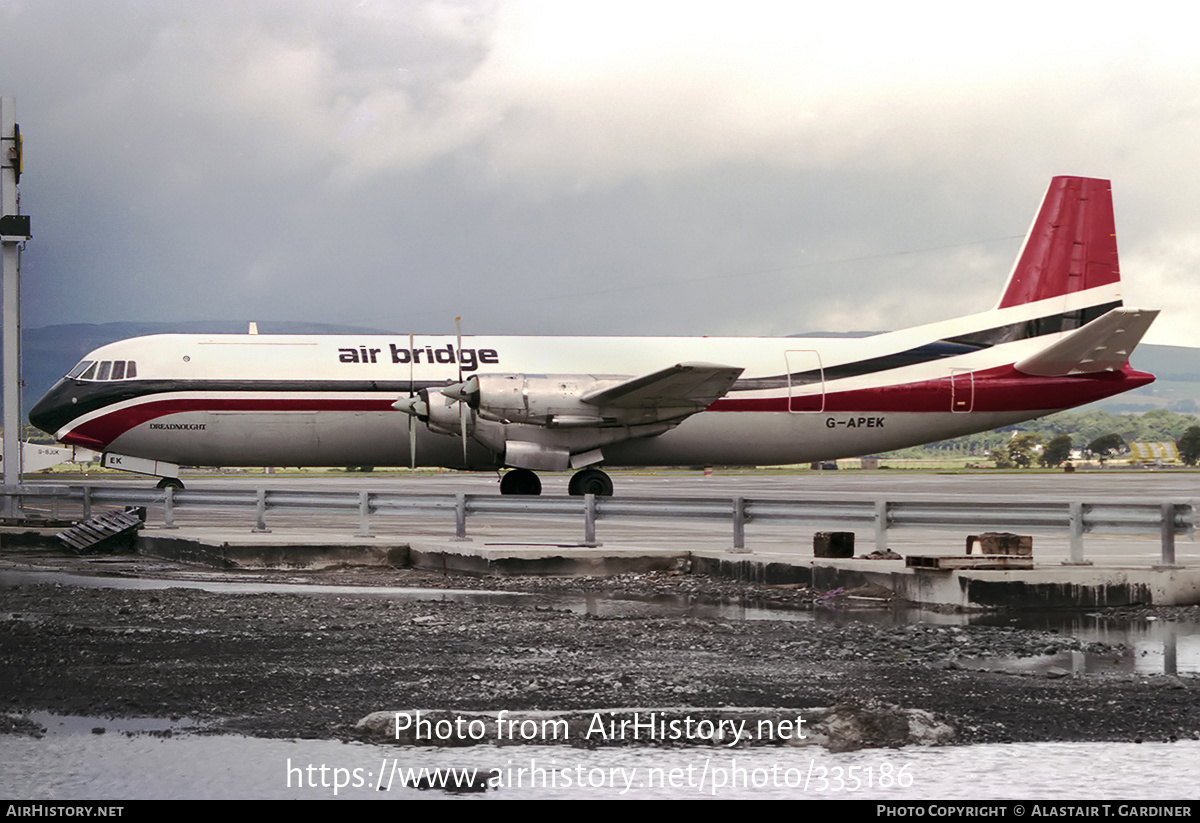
<point>1102,345</point>
<point>694,385</point>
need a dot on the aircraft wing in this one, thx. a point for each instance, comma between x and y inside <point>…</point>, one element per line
<point>695,385</point>
<point>1102,345</point>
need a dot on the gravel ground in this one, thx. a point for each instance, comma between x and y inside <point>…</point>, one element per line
<point>300,665</point>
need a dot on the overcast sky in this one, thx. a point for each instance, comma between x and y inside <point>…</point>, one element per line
<point>588,168</point>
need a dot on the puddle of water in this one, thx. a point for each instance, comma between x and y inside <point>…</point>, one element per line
<point>81,765</point>
<point>57,725</point>
<point>19,577</point>
<point>1151,646</point>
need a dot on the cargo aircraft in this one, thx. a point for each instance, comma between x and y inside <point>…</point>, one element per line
<point>1059,337</point>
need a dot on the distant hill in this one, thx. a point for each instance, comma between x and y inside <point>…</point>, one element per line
<point>1177,387</point>
<point>51,351</point>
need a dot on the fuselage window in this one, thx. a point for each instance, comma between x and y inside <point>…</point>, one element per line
<point>105,370</point>
<point>79,369</point>
<point>118,372</point>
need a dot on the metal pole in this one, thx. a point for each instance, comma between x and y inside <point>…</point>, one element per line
<point>10,297</point>
<point>739,524</point>
<point>589,521</point>
<point>460,518</point>
<point>1168,537</point>
<point>364,515</point>
<point>1076,553</point>
<point>260,513</point>
<point>169,508</point>
<point>881,525</point>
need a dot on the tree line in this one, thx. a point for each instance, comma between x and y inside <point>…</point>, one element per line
<point>1049,441</point>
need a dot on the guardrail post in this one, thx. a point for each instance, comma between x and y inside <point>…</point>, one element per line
<point>589,521</point>
<point>460,518</point>
<point>364,515</point>
<point>260,513</point>
<point>881,525</point>
<point>1075,557</point>
<point>739,526</point>
<point>1168,537</point>
<point>87,502</point>
<point>168,508</point>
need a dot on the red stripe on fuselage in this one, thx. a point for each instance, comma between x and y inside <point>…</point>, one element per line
<point>99,432</point>
<point>1000,389</point>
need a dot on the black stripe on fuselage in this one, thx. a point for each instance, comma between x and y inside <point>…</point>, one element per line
<point>71,398</point>
<point>949,347</point>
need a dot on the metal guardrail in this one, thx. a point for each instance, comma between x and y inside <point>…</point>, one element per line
<point>1075,518</point>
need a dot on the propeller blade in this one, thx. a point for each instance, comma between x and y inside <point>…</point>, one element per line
<point>412,420</point>
<point>462,405</point>
<point>458,345</point>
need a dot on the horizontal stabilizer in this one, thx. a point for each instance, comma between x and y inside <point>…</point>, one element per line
<point>696,385</point>
<point>1102,345</point>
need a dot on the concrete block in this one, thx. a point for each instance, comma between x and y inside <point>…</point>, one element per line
<point>833,544</point>
<point>1018,545</point>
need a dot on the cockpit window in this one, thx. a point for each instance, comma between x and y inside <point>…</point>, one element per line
<point>104,370</point>
<point>79,369</point>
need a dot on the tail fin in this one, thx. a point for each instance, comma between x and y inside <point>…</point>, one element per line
<point>1071,246</point>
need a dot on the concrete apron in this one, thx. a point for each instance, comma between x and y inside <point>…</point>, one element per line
<point>1045,586</point>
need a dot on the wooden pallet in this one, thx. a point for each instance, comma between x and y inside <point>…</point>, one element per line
<point>109,530</point>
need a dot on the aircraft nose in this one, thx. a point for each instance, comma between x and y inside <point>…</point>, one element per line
<point>49,413</point>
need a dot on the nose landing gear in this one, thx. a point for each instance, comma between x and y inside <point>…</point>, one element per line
<point>520,481</point>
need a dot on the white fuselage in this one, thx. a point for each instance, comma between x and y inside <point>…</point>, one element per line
<point>326,400</point>
<point>1059,337</point>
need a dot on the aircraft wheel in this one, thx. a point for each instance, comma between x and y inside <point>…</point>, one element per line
<point>591,481</point>
<point>170,483</point>
<point>520,481</point>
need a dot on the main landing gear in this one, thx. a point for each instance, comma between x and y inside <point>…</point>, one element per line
<point>588,481</point>
<point>170,483</point>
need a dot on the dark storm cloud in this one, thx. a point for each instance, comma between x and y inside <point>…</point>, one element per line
<point>565,168</point>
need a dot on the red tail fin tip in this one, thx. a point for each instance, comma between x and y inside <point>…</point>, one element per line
<point>1072,245</point>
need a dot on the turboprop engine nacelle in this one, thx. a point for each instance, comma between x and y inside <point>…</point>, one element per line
<point>542,400</point>
<point>444,414</point>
